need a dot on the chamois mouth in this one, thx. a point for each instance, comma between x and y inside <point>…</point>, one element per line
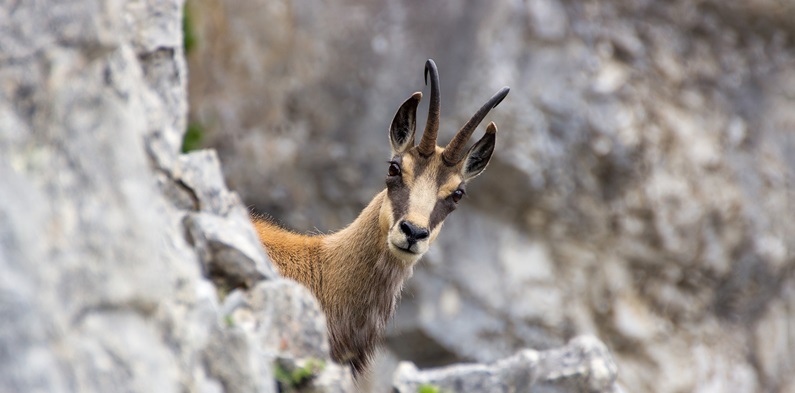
<point>404,249</point>
<point>403,252</point>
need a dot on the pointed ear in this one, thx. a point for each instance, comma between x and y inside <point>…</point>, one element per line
<point>401,132</point>
<point>479,155</point>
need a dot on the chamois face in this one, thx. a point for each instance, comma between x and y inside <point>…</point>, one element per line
<point>426,182</point>
<point>421,192</point>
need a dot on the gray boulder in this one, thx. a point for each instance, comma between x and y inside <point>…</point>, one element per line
<point>583,365</point>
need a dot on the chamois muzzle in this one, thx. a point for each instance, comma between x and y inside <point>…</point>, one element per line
<point>413,233</point>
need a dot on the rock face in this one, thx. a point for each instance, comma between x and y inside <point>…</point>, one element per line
<point>640,191</point>
<point>640,194</point>
<point>116,250</point>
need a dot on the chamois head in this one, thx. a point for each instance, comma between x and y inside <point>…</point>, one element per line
<point>426,182</point>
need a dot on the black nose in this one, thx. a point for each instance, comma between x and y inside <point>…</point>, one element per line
<point>413,232</point>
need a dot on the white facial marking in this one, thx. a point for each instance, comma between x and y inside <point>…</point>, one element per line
<point>422,199</point>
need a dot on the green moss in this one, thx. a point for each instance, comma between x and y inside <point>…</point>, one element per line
<point>229,321</point>
<point>428,388</point>
<point>189,39</point>
<point>282,375</point>
<point>289,380</point>
<point>193,138</point>
<point>312,368</point>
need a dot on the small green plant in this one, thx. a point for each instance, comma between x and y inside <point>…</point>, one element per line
<point>193,137</point>
<point>229,321</point>
<point>289,380</point>
<point>189,39</point>
<point>428,388</point>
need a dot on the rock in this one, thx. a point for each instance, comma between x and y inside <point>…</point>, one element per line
<point>333,379</point>
<point>311,375</point>
<point>100,291</point>
<point>200,172</point>
<point>133,356</point>
<point>232,358</point>
<point>284,323</point>
<point>584,364</point>
<point>84,229</point>
<point>548,19</point>
<point>221,230</point>
<point>229,250</point>
<point>639,192</point>
<point>283,317</point>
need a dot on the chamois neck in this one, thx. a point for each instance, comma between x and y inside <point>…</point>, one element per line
<point>351,272</point>
<point>362,245</point>
<point>364,237</point>
<point>367,283</point>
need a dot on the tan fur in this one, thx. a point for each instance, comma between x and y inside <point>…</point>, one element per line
<point>357,273</point>
<point>351,272</point>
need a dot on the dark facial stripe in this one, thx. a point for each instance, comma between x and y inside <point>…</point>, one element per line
<point>398,195</point>
<point>440,212</point>
<point>397,192</point>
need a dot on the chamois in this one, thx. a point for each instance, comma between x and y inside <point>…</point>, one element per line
<point>357,273</point>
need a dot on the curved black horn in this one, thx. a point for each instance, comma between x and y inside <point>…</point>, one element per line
<point>428,143</point>
<point>452,153</point>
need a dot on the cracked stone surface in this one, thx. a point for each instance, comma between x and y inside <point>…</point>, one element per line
<point>582,365</point>
<point>101,290</point>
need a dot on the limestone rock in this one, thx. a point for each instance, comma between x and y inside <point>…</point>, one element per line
<point>287,329</point>
<point>83,223</point>
<point>230,252</point>
<point>200,172</point>
<point>100,290</point>
<point>233,359</point>
<point>283,317</point>
<point>583,365</point>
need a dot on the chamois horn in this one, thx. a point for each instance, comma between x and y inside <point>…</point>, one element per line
<point>452,153</point>
<point>428,143</point>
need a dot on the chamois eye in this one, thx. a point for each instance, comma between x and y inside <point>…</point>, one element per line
<point>456,195</point>
<point>394,169</point>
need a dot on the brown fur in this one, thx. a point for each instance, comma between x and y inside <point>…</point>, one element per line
<point>351,272</point>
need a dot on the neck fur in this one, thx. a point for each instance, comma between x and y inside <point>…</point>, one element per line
<point>351,272</point>
<point>367,281</point>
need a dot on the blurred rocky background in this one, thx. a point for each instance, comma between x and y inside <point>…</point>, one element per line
<point>638,203</point>
<point>127,266</point>
<point>641,189</point>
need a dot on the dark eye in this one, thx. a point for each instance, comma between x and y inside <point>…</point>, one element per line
<point>456,195</point>
<point>394,169</point>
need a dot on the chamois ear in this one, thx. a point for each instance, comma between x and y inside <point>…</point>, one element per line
<point>479,155</point>
<point>401,132</point>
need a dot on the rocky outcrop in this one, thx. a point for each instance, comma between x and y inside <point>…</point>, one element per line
<point>119,253</point>
<point>583,365</point>
<point>640,191</point>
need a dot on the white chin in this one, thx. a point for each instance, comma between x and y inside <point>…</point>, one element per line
<point>402,254</point>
